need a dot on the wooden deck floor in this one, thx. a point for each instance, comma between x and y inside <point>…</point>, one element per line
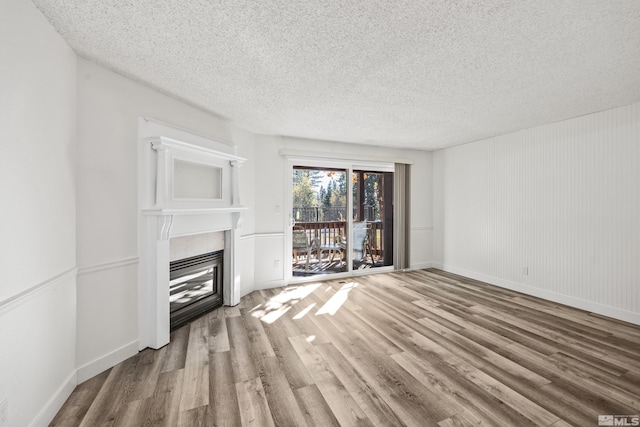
<point>328,265</point>
<point>421,348</point>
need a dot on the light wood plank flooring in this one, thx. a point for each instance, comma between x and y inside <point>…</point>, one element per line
<point>421,348</point>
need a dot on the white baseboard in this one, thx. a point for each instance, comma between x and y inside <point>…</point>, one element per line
<point>107,361</point>
<point>421,266</point>
<point>246,291</point>
<point>269,285</point>
<point>593,307</point>
<point>54,404</point>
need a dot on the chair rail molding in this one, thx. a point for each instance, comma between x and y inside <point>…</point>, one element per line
<point>29,294</point>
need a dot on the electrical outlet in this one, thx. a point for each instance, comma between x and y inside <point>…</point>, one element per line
<point>4,413</point>
<point>525,271</point>
<point>276,263</point>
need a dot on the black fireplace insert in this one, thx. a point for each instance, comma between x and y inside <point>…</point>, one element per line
<point>195,287</point>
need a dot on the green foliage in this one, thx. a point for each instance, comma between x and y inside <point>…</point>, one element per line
<point>313,201</point>
<point>373,194</point>
<point>373,200</point>
<point>303,193</point>
<point>329,200</point>
<point>338,196</point>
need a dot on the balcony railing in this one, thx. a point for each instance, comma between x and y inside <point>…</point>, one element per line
<point>331,233</point>
<point>338,213</point>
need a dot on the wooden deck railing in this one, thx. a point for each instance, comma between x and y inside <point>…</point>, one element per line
<point>331,232</point>
<point>324,232</point>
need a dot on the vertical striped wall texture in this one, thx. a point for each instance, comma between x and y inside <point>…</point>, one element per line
<point>562,200</point>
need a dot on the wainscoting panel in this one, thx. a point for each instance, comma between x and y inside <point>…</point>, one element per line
<point>247,251</point>
<point>269,265</point>
<point>554,208</point>
<point>37,356</point>
<point>107,314</point>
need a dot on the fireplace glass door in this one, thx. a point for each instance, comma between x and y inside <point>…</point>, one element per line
<point>195,287</point>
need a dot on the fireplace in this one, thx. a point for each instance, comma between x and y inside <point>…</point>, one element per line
<point>195,287</point>
<point>189,185</point>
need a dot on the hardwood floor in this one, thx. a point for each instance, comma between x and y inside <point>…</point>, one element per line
<point>421,348</point>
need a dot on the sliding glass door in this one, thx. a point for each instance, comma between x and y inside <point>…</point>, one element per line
<point>341,219</point>
<point>319,211</point>
<point>372,219</point>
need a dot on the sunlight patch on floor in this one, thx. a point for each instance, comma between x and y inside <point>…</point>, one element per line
<point>304,312</point>
<point>296,294</point>
<point>274,315</point>
<point>279,304</point>
<point>332,306</point>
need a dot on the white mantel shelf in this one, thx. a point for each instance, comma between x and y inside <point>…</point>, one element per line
<point>163,142</point>
<point>192,211</point>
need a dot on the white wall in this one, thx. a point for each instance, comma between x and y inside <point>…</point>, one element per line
<point>421,239</point>
<point>562,200</point>
<point>38,225</point>
<point>109,106</point>
<point>270,197</point>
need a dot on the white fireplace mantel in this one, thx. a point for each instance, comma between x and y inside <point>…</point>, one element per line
<point>208,216</point>
<point>186,188</point>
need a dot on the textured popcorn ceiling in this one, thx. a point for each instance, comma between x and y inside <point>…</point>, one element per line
<point>405,73</point>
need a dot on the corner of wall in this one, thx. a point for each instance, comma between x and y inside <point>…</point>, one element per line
<point>101,364</point>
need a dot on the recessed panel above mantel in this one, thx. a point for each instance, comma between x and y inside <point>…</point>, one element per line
<point>196,181</point>
<point>194,177</point>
